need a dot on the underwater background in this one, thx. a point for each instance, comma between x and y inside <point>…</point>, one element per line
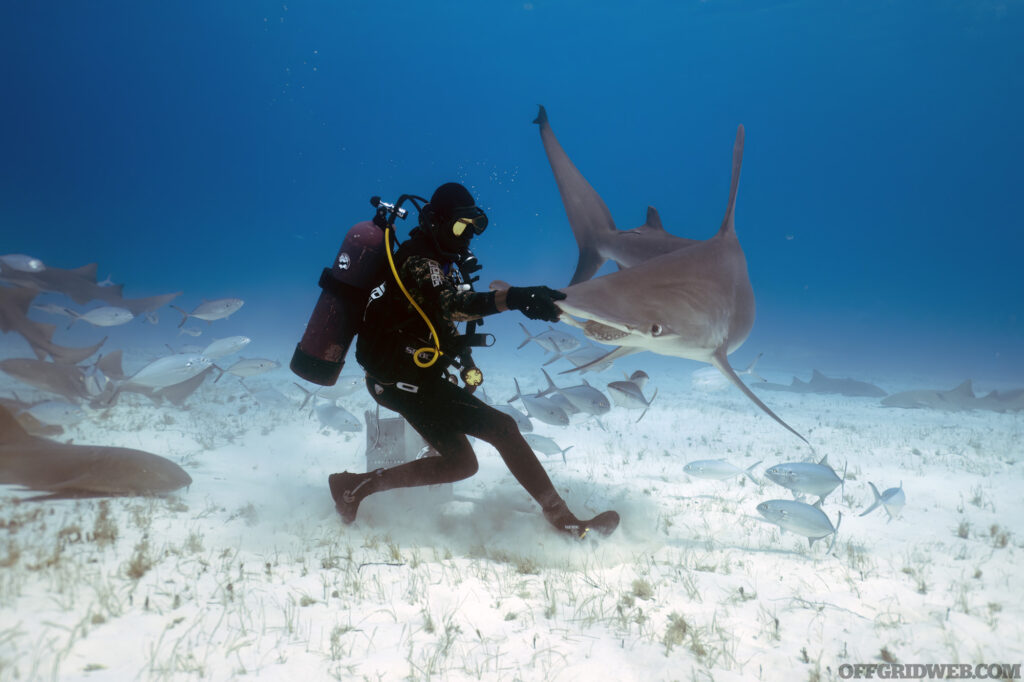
<point>224,149</point>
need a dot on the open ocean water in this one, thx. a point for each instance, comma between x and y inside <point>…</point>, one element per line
<point>223,149</point>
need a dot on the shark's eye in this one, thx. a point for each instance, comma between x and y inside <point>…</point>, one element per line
<point>656,330</point>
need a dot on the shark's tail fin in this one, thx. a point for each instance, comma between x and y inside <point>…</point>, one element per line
<point>529,336</point>
<point>719,360</point>
<point>729,222</point>
<point>648,406</point>
<point>11,431</point>
<point>588,215</point>
<point>750,468</point>
<point>184,316</point>
<point>878,500</point>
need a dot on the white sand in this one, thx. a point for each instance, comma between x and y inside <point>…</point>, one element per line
<point>251,574</point>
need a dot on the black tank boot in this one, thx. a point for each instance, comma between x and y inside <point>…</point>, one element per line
<point>349,489</point>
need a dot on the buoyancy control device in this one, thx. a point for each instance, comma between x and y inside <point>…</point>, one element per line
<point>345,287</point>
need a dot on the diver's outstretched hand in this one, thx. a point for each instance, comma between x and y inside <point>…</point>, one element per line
<point>537,303</point>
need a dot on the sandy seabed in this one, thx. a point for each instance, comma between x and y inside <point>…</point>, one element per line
<point>249,573</point>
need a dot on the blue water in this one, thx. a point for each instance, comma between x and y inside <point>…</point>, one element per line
<point>223,149</point>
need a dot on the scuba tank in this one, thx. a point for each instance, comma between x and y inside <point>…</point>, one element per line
<point>320,355</point>
<point>359,266</point>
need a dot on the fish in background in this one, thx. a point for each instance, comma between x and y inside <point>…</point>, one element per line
<point>217,309</point>
<point>67,381</point>
<point>586,358</point>
<point>672,296</point>
<point>170,370</point>
<point>959,399</point>
<point>630,393</point>
<point>64,471</point>
<point>522,421</point>
<point>584,397</point>
<point>14,306</point>
<point>820,383</point>
<point>545,445</point>
<point>710,379</point>
<point>105,316</point>
<point>56,413</point>
<point>892,500</point>
<point>801,518</point>
<point>249,367</point>
<point>541,408</point>
<point>190,331</point>
<point>21,263</point>
<point>807,477</point>
<point>551,340</point>
<point>219,348</point>
<point>52,309</point>
<point>79,284</point>
<point>718,469</point>
<point>334,416</point>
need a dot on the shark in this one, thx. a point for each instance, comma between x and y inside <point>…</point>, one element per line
<point>672,296</point>
<point>79,284</point>
<point>820,383</point>
<point>62,470</point>
<point>14,306</point>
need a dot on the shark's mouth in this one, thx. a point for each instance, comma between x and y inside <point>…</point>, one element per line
<point>602,332</point>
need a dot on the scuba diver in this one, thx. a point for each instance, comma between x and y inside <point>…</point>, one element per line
<point>408,341</point>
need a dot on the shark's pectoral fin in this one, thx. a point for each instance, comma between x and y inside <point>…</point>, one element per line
<point>611,355</point>
<point>719,360</point>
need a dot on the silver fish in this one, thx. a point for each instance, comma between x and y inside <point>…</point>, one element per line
<point>800,518</point>
<point>545,445</point>
<point>57,413</point>
<point>106,316</point>
<point>892,500</point>
<point>220,348</point>
<point>170,370</point>
<point>584,397</point>
<point>538,407</point>
<point>551,339</point>
<point>718,469</point>
<point>806,477</point>
<point>22,263</point>
<point>336,417</point>
<point>217,309</point>
<point>250,367</point>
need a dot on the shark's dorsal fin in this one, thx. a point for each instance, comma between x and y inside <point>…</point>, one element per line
<point>86,271</point>
<point>817,376</point>
<point>728,223</point>
<point>10,430</point>
<point>965,389</point>
<point>653,219</point>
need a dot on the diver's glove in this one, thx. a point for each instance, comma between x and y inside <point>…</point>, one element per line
<point>537,303</point>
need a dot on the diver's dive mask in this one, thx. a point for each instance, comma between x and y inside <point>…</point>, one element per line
<point>469,217</point>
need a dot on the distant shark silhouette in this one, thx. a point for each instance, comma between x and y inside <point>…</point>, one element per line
<point>820,383</point>
<point>679,297</point>
<point>67,471</point>
<point>79,284</point>
<point>14,305</point>
<point>958,399</point>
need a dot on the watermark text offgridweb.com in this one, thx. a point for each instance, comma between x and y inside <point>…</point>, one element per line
<point>930,671</point>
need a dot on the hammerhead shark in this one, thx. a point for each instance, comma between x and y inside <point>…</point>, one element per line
<point>672,296</point>
<point>65,471</point>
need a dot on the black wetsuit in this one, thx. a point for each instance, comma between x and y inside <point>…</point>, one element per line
<point>442,412</point>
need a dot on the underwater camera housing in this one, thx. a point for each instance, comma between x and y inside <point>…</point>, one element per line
<point>345,288</point>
